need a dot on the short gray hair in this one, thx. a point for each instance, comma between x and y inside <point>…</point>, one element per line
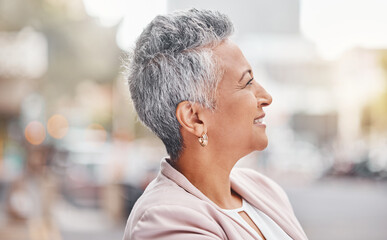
<point>173,61</point>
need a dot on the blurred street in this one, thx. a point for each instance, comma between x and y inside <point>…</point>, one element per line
<point>342,208</point>
<point>79,223</point>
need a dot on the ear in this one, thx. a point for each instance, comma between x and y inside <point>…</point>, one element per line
<point>191,117</point>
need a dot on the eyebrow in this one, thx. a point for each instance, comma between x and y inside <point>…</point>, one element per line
<point>244,73</point>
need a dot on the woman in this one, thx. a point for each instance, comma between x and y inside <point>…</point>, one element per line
<point>195,90</point>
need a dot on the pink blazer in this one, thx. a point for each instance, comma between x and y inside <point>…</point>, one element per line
<point>172,208</point>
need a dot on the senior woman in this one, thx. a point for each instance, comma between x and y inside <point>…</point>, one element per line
<point>192,86</point>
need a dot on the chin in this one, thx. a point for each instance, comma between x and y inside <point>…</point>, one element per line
<point>261,148</point>
<point>262,145</point>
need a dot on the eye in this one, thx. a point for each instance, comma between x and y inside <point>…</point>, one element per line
<point>250,82</point>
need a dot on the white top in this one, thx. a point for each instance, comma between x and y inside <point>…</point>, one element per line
<point>266,225</point>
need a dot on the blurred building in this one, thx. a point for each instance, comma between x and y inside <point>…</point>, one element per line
<point>250,17</point>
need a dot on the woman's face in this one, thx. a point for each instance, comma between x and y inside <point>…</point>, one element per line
<point>236,125</point>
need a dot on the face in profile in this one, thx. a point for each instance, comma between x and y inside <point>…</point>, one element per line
<point>237,124</point>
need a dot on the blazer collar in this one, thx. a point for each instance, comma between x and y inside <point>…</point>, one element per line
<point>170,172</point>
<point>256,200</point>
<point>167,170</point>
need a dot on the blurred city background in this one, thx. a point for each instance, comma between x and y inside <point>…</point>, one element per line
<point>74,158</point>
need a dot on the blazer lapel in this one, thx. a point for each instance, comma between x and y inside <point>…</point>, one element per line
<point>258,200</point>
<point>178,178</point>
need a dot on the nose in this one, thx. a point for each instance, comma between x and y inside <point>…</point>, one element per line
<point>264,99</point>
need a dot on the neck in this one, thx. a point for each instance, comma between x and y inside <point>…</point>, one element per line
<point>211,175</point>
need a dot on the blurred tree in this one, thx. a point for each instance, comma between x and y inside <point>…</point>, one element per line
<point>79,48</point>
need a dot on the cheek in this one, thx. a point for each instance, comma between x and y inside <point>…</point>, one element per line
<point>237,115</point>
<point>245,108</point>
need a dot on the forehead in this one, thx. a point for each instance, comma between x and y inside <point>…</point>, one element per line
<point>231,58</point>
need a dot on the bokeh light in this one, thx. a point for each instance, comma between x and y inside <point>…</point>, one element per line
<point>57,126</point>
<point>97,133</point>
<point>35,133</point>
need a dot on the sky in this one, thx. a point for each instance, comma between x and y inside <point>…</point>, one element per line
<point>333,25</point>
<point>134,15</point>
<point>337,25</point>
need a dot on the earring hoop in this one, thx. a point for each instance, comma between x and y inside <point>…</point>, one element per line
<point>203,140</point>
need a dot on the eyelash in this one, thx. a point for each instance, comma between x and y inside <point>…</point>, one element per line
<point>250,81</point>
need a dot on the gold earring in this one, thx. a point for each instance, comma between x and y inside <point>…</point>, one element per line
<point>203,140</point>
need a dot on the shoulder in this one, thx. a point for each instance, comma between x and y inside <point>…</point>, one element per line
<point>167,210</point>
<point>173,222</point>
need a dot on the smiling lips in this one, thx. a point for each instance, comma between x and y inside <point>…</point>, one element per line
<point>259,121</point>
